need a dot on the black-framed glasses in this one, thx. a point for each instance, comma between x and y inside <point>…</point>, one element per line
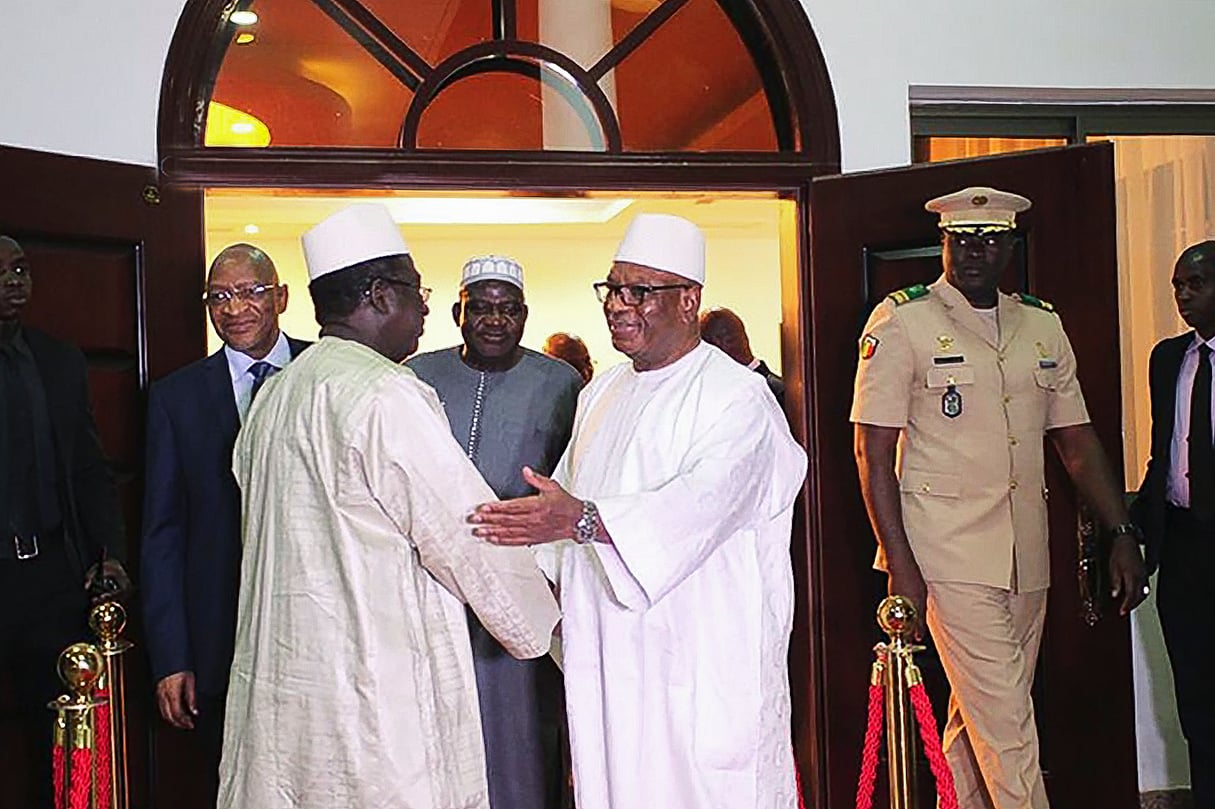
<point>631,294</point>
<point>423,292</point>
<point>216,298</point>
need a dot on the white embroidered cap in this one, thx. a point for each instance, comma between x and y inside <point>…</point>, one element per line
<point>351,236</point>
<point>492,268</point>
<point>665,242</point>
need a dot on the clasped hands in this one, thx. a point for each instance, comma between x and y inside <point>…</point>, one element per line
<point>547,516</point>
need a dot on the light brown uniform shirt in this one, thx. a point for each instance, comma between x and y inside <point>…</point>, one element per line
<point>973,496</point>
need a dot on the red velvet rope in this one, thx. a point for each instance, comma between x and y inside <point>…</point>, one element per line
<point>947,795</point>
<point>58,763</point>
<point>869,759</point>
<point>102,748</point>
<point>82,778</point>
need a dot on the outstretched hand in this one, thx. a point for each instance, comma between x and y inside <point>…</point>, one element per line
<point>547,516</point>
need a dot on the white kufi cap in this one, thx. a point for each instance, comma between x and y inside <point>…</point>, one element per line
<point>665,242</point>
<point>492,268</point>
<point>351,236</point>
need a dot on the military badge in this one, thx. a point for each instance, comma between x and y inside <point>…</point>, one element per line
<point>945,342</point>
<point>869,345</point>
<point>951,403</point>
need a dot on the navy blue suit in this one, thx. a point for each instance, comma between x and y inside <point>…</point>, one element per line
<point>190,559</point>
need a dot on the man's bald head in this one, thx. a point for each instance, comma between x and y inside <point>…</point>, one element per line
<point>1199,255</point>
<point>724,329</point>
<point>254,258</point>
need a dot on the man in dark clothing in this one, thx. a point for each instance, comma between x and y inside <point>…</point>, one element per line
<point>724,329</point>
<point>1176,506</point>
<point>59,516</point>
<point>191,552</point>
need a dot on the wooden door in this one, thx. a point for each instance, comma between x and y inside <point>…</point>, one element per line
<point>869,235</point>
<point>118,272</point>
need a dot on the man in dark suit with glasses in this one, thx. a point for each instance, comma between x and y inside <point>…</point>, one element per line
<point>191,534</point>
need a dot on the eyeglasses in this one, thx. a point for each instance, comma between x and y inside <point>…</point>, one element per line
<point>215,298</point>
<point>979,238</point>
<point>423,292</point>
<point>631,294</point>
<point>509,310</point>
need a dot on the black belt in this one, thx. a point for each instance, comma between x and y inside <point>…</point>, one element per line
<point>23,548</point>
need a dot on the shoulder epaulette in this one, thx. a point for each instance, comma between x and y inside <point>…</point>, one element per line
<point>906,294</point>
<point>1037,303</point>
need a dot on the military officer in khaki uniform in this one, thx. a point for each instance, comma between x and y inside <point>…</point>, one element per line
<point>956,386</point>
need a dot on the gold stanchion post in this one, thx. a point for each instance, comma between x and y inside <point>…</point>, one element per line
<point>896,616</point>
<point>81,667</point>
<point>108,620</point>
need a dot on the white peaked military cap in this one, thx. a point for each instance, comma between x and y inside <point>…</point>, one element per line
<point>351,236</point>
<point>492,268</point>
<point>665,242</point>
<point>978,207</point>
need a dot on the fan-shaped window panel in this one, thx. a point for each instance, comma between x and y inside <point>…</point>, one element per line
<point>674,93</point>
<point>503,75</point>
<point>308,81</point>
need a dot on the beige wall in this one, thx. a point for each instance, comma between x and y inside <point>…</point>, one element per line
<point>561,262</point>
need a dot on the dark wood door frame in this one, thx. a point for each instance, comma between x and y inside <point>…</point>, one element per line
<point>800,92</point>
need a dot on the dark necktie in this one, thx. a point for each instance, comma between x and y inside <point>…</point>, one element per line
<point>261,371</point>
<point>1201,451</point>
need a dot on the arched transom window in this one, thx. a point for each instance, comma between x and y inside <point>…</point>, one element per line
<point>650,76</point>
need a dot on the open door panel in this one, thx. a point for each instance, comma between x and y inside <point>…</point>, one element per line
<point>117,267</point>
<point>870,235</point>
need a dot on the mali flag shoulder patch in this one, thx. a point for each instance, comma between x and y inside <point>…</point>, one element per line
<point>869,346</point>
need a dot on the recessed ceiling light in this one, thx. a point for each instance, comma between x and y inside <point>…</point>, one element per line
<point>242,127</point>
<point>245,37</point>
<point>243,18</point>
<point>252,230</point>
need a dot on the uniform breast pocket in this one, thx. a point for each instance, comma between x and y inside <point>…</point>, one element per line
<point>950,376</point>
<point>953,385</point>
<point>1047,379</point>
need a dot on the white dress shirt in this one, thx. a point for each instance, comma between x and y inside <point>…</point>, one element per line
<point>242,380</point>
<point>1179,466</point>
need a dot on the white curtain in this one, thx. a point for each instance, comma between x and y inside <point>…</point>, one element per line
<point>1164,190</point>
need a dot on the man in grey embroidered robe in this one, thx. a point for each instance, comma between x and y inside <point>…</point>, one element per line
<point>509,407</point>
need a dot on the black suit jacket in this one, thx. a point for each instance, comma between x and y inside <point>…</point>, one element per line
<point>775,383</point>
<point>1149,508</point>
<point>88,499</point>
<point>190,558</point>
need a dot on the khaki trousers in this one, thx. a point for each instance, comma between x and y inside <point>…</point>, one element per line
<point>988,640</point>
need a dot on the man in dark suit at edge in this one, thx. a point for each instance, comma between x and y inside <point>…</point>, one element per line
<point>191,533</point>
<point>59,515</point>
<point>724,329</point>
<point>1176,507</point>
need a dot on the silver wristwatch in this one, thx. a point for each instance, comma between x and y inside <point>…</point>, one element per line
<point>586,530</point>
